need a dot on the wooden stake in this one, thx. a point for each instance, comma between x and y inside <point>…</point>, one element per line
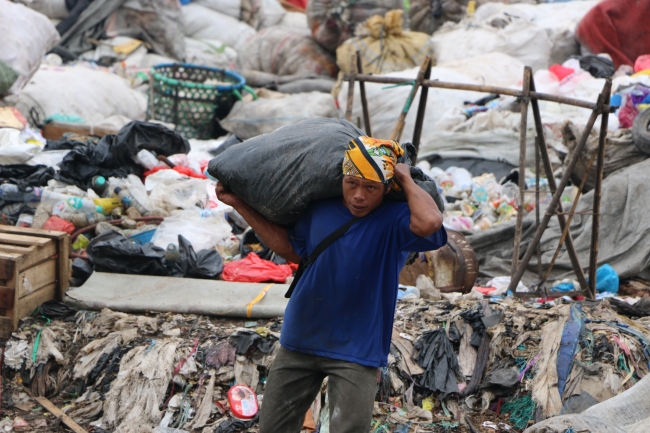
<point>595,222</point>
<point>573,255</point>
<point>523,130</point>
<point>555,201</point>
<point>364,101</point>
<point>352,79</point>
<point>419,120</point>
<point>401,120</point>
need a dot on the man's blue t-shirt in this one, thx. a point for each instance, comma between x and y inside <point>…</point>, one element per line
<point>344,303</point>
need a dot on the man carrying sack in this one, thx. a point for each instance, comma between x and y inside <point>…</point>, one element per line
<point>339,320</point>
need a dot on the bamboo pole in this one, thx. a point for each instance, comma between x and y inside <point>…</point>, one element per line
<point>352,79</point>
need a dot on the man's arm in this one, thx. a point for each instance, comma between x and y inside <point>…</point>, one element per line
<point>426,219</point>
<point>273,235</point>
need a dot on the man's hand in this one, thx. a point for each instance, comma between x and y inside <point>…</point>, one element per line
<point>227,197</point>
<point>402,174</point>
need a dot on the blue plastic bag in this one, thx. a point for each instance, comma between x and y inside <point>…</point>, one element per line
<point>606,279</point>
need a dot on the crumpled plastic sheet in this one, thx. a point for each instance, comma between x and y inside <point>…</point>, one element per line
<point>436,355</point>
<point>247,340</point>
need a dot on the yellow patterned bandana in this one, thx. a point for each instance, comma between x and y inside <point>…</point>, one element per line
<point>372,159</point>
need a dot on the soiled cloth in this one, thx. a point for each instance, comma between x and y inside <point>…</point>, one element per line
<point>619,28</point>
<point>372,159</point>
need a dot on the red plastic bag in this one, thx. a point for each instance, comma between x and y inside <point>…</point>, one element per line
<point>642,63</point>
<point>561,72</point>
<point>60,225</point>
<point>252,269</point>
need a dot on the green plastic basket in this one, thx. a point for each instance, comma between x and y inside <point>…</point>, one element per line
<point>193,97</point>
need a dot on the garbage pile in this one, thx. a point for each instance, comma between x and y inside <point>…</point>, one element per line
<point>501,364</point>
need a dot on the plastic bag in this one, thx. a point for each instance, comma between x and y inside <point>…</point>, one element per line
<point>203,264</point>
<point>26,37</point>
<point>286,51</point>
<point>13,150</point>
<point>606,279</point>
<point>57,224</point>
<point>250,119</point>
<point>112,252</point>
<point>279,173</point>
<point>252,269</point>
<point>113,154</point>
<point>210,53</point>
<point>176,193</point>
<point>202,232</point>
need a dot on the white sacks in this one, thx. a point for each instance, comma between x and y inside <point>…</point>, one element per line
<point>559,20</point>
<point>492,69</point>
<point>250,119</point>
<point>199,22</point>
<point>25,37</point>
<point>518,38</point>
<point>228,7</point>
<point>91,94</point>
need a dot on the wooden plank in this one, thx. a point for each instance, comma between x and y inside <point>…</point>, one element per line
<point>7,269</point>
<point>6,327</point>
<point>25,306</point>
<point>36,277</point>
<point>50,234</point>
<point>55,130</point>
<point>24,261</point>
<point>7,298</point>
<point>64,267</point>
<point>11,239</point>
<point>51,408</point>
<point>16,249</point>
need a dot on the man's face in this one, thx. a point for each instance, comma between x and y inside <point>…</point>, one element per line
<point>362,196</point>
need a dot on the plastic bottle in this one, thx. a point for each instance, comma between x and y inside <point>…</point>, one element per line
<point>99,184</point>
<point>146,159</point>
<point>511,192</point>
<point>11,192</point>
<point>25,220</point>
<point>108,204</point>
<point>76,205</point>
<point>128,200</point>
<point>171,255</point>
<point>462,179</point>
<point>54,198</point>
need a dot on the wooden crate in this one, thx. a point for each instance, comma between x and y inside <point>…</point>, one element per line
<point>34,268</point>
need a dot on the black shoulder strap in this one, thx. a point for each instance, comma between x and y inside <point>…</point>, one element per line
<point>329,240</point>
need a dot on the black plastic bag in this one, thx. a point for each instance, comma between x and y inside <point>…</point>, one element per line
<point>436,355</point>
<point>597,66</point>
<point>112,252</point>
<point>278,174</point>
<point>190,264</point>
<point>112,155</point>
<point>81,270</point>
<point>26,175</point>
<point>54,310</point>
<point>247,342</point>
<point>250,237</point>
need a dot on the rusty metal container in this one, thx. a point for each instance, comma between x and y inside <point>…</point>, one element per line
<point>453,268</point>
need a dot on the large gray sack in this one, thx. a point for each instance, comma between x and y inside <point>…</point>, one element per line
<point>280,173</point>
